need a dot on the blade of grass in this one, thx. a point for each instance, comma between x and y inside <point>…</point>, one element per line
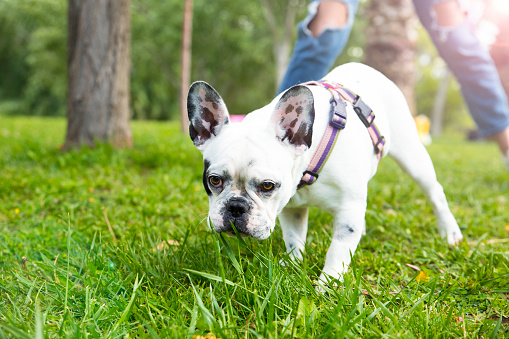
<point>194,319</point>
<point>207,315</point>
<point>124,315</point>
<point>493,334</point>
<point>68,261</point>
<point>39,334</point>
<point>230,254</point>
<point>15,331</point>
<point>223,276</point>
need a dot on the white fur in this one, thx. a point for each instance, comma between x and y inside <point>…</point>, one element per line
<point>250,150</point>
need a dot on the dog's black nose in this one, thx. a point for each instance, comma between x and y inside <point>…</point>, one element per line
<point>237,208</point>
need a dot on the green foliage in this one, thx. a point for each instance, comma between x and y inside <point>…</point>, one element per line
<point>11,62</point>
<point>33,56</point>
<point>63,273</point>
<point>44,50</point>
<point>155,57</point>
<point>231,50</point>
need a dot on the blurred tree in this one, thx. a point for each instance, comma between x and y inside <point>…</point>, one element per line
<point>439,107</point>
<point>13,37</point>
<point>390,43</point>
<point>99,37</point>
<point>185,61</point>
<point>32,54</point>
<point>232,50</point>
<point>280,16</point>
<point>155,55</point>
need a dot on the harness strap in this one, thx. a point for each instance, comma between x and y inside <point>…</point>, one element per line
<point>337,122</point>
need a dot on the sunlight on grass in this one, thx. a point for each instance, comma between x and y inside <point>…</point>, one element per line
<point>106,243</point>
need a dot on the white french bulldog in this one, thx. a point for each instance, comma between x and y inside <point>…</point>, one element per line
<point>252,168</point>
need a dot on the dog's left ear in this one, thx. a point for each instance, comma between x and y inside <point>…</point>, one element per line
<point>207,113</point>
<point>293,118</point>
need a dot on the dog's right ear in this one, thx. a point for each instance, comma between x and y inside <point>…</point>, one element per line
<point>293,118</point>
<point>207,113</point>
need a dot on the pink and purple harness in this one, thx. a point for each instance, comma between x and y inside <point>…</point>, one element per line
<point>337,122</point>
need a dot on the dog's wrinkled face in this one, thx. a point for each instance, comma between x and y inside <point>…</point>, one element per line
<point>248,167</point>
<point>246,183</point>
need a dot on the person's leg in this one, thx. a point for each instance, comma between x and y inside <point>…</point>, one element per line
<point>500,54</point>
<point>472,66</point>
<point>321,38</point>
<point>330,14</point>
<point>502,140</point>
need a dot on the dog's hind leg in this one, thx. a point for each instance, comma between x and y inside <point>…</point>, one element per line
<point>412,157</point>
<point>294,223</point>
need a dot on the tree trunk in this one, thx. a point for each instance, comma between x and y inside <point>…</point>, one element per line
<point>437,117</point>
<point>390,43</point>
<point>99,34</point>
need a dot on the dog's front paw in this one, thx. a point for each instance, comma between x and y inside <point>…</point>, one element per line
<point>326,282</point>
<point>320,287</point>
<point>454,237</point>
<point>284,262</point>
<point>450,230</point>
<point>290,259</point>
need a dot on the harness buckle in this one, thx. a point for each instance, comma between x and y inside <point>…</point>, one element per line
<point>380,139</point>
<point>312,174</point>
<point>363,111</point>
<point>337,115</point>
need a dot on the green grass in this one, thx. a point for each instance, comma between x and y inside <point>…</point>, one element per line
<point>63,273</point>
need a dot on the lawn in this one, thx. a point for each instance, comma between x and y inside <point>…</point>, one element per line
<point>103,243</point>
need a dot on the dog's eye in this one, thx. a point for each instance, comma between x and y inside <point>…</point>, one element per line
<point>215,181</point>
<point>267,186</point>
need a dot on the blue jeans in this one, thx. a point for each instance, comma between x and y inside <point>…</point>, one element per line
<point>458,46</point>
<point>313,57</point>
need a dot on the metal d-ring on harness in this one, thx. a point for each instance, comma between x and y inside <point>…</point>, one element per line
<point>337,122</point>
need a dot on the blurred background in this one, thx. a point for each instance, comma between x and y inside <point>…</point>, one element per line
<point>239,47</point>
